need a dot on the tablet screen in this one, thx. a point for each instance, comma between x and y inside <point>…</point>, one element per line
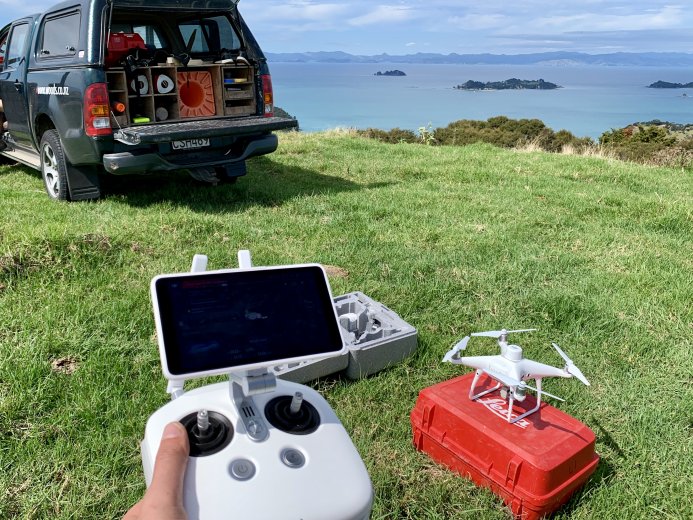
<point>210,322</point>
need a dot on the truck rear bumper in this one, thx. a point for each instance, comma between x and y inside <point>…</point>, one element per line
<point>126,163</point>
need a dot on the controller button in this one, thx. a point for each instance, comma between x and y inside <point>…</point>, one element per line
<point>242,469</point>
<point>292,458</point>
<point>254,428</point>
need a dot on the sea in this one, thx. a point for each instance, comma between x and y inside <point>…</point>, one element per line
<point>591,100</point>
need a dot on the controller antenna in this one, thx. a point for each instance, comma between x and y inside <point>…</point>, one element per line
<point>296,403</point>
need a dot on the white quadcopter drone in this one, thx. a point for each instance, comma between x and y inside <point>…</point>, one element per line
<point>510,370</point>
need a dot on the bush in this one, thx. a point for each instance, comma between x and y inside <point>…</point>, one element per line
<point>509,133</point>
<point>673,157</point>
<point>644,144</point>
<point>394,136</point>
<point>637,134</point>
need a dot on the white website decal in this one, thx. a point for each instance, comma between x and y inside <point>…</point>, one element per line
<point>53,91</point>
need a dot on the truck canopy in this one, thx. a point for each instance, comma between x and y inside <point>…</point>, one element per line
<point>197,5</point>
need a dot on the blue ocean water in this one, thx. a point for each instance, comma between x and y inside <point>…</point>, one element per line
<point>593,99</point>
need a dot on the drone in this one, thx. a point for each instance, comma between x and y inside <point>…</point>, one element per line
<point>511,370</point>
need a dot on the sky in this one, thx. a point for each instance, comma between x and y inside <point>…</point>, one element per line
<point>460,26</point>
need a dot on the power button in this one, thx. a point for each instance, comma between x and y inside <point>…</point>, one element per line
<point>242,469</point>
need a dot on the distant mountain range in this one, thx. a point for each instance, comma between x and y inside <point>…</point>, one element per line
<point>644,59</point>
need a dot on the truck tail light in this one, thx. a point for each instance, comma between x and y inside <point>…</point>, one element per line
<point>97,120</point>
<point>267,95</point>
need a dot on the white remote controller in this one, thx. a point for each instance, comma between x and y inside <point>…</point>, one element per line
<point>317,475</point>
<point>260,448</point>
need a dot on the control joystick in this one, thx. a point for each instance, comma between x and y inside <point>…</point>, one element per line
<point>292,414</point>
<point>208,432</point>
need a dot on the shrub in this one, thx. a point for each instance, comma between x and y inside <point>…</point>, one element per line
<point>508,133</point>
<point>394,136</point>
<point>641,143</point>
<point>673,157</point>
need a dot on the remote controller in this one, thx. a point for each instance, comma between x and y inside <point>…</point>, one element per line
<point>304,467</point>
<point>260,448</point>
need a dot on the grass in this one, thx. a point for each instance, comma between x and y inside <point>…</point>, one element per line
<point>596,253</point>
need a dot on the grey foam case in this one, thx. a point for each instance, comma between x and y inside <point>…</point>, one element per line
<point>376,338</point>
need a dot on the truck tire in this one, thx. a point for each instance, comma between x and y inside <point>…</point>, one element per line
<point>54,166</point>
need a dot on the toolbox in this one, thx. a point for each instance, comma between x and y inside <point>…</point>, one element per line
<point>534,464</point>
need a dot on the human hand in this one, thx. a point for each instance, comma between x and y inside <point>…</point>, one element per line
<point>164,498</point>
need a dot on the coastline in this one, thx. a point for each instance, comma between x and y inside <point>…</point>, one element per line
<point>594,99</point>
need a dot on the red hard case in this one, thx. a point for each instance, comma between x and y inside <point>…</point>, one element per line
<point>534,465</point>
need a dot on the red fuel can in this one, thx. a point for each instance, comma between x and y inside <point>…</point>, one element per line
<point>534,464</point>
<point>119,44</point>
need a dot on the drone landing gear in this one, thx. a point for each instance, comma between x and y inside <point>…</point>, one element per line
<point>505,393</point>
<point>480,394</point>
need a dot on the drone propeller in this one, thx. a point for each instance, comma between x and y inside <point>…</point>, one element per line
<point>462,345</point>
<point>570,366</point>
<point>498,333</point>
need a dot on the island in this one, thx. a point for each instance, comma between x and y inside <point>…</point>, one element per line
<point>508,84</point>
<point>390,73</point>
<point>666,84</point>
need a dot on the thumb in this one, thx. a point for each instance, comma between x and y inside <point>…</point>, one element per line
<point>169,466</point>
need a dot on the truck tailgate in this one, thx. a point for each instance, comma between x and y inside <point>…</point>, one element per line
<point>162,133</point>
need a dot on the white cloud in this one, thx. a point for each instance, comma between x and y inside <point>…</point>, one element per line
<point>383,14</point>
<point>665,18</point>
<point>475,22</point>
<point>297,11</point>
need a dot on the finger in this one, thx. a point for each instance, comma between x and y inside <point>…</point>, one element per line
<point>134,512</point>
<point>169,466</point>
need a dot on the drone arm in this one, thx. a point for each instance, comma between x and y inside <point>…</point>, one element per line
<point>533,370</point>
<point>452,354</point>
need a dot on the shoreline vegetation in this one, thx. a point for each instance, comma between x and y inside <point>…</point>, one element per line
<point>508,84</point>
<point>657,143</point>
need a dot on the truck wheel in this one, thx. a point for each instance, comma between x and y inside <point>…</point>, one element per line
<point>53,166</point>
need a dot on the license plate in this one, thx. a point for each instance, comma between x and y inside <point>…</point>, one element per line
<point>189,144</point>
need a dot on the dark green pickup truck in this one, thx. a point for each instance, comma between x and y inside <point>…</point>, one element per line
<point>94,87</point>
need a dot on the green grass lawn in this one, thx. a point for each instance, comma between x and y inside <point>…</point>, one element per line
<point>597,254</point>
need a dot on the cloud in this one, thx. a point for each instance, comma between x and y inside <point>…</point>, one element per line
<point>383,14</point>
<point>297,11</point>
<point>475,22</point>
<point>496,26</point>
<point>667,17</point>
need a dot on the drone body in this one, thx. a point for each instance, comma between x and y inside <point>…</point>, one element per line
<point>511,370</point>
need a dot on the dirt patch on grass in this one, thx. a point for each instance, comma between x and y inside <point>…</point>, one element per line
<point>336,272</point>
<point>65,365</point>
<point>136,247</point>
